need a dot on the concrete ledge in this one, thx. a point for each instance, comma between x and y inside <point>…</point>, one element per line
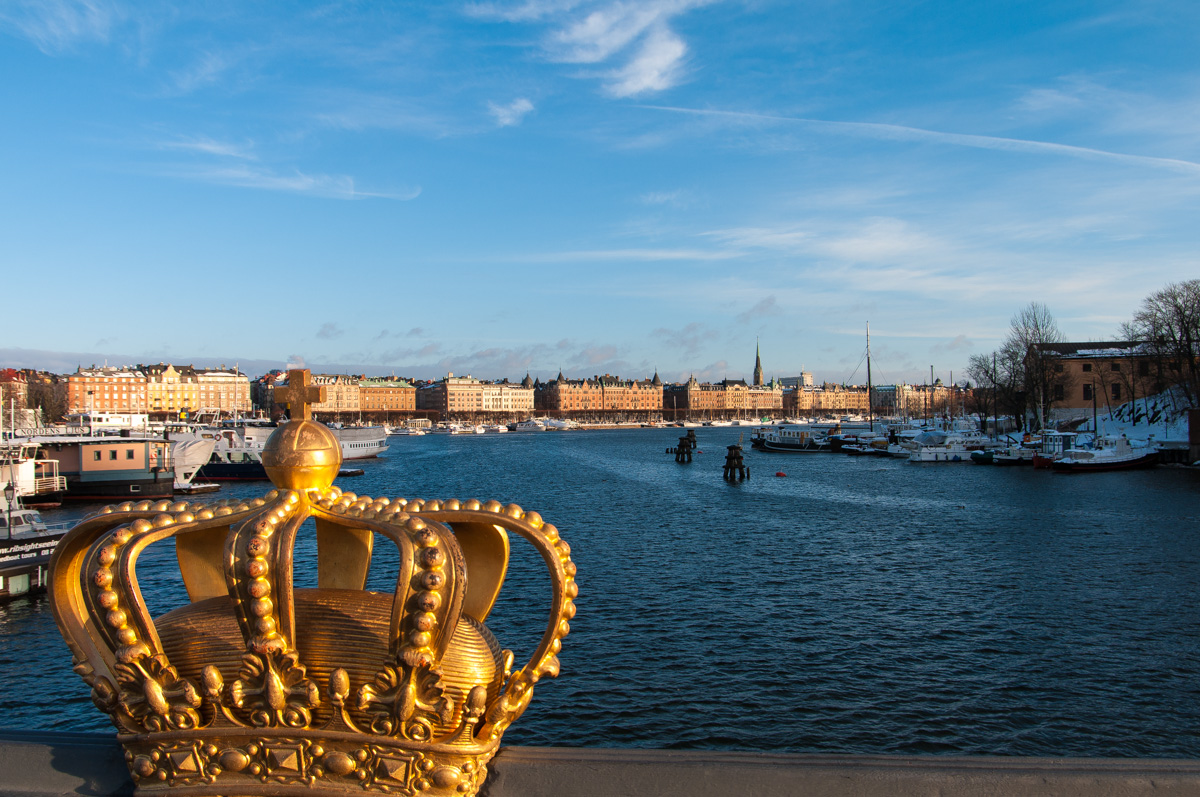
<point>538,771</point>
<point>34,764</point>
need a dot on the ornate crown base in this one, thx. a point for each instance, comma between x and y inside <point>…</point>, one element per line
<point>320,764</point>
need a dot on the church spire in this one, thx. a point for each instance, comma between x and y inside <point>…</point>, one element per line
<point>758,371</point>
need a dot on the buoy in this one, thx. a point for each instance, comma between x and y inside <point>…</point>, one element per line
<point>780,473</point>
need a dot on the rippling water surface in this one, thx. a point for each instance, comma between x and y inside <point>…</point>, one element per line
<point>857,605</point>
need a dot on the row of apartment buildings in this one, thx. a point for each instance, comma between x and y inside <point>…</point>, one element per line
<point>1085,373</point>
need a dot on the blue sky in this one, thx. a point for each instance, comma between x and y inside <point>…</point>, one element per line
<point>598,187</point>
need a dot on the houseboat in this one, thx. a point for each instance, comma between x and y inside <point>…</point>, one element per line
<point>111,467</point>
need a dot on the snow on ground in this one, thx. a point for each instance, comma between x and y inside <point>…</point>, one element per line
<point>1164,416</point>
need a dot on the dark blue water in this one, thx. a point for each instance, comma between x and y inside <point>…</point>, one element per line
<point>858,605</point>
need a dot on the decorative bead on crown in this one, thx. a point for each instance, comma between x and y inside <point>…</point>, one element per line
<point>259,687</point>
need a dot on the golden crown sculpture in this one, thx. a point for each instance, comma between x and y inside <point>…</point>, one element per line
<point>257,687</point>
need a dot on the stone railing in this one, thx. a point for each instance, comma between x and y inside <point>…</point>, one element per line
<point>43,764</point>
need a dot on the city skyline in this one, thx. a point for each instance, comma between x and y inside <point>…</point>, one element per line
<point>587,185</point>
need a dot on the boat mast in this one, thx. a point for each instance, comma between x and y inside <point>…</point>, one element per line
<point>870,408</point>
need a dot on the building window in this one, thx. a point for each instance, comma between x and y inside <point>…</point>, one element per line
<point>96,456</point>
<point>1116,391</point>
<point>1116,366</point>
<point>1087,392</point>
<point>129,453</point>
<point>1087,367</point>
<point>112,454</point>
<point>1144,368</point>
<point>1058,392</point>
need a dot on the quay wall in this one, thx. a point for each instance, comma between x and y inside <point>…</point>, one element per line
<point>39,764</point>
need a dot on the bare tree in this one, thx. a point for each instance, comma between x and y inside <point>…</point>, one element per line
<point>1000,374</point>
<point>50,398</point>
<point>1030,332</point>
<point>1168,323</point>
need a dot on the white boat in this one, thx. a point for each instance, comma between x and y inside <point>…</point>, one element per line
<point>34,476</point>
<point>360,442</point>
<point>26,543</point>
<point>804,439</point>
<point>404,431</point>
<point>495,428</point>
<point>530,425</point>
<point>936,446</point>
<point>1110,453</point>
<point>187,457</point>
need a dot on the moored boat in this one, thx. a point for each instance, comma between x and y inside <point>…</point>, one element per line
<point>26,543</point>
<point>1110,453</point>
<point>111,467</point>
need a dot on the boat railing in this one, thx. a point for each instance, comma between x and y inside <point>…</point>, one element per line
<point>49,484</point>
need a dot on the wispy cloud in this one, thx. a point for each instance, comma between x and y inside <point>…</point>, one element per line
<point>689,340</point>
<point>206,71</point>
<point>512,113</point>
<point>330,331</point>
<point>630,254</point>
<point>658,66</point>
<point>957,344</point>
<point>892,132</point>
<point>322,185</point>
<point>662,198</point>
<point>635,38</point>
<point>523,11</point>
<point>209,146</point>
<point>58,25</point>
<point>766,307</point>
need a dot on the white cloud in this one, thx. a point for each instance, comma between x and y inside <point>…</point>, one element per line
<point>521,12</point>
<point>57,25</point>
<point>208,146</point>
<point>630,254</point>
<point>323,185</point>
<point>893,132</point>
<point>511,114</point>
<point>635,33</point>
<point>662,198</point>
<point>657,66</point>
<point>206,71</point>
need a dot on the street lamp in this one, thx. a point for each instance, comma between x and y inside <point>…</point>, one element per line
<point>10,493</point>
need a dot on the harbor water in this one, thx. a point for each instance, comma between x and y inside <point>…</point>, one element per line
<point>855,605</point>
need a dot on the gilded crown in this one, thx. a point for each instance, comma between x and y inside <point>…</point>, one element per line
<point>257,687</point>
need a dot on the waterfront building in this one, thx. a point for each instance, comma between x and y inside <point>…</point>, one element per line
<point>467,397</point>
<point>382,396</point>
<point>14,389</point>
<point>262,392</point>
<point>1106,373</point>
<point>181,391</point>
<point>725,399</point>
<point>742,400</point>
<point>107,389</point>
<point>915,401</point>
<point>226,390</point>
<point>601,396</point>
<point>827,399</point>
<point>171,391</point>
<point>804,380</point>
<point>341,395</point>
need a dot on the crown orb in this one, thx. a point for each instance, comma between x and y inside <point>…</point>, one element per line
<point>302,455</point>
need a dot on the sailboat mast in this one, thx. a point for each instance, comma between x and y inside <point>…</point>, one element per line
<point>870,408</point>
